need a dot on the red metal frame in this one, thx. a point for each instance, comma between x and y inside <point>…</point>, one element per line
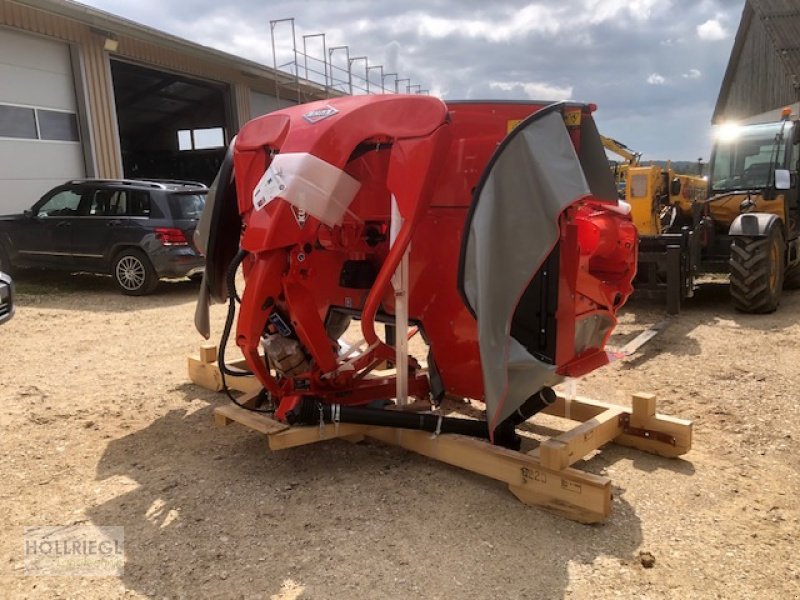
<point>429,156</point>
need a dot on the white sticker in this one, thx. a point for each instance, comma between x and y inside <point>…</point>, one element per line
<point>268,188</point>
<point>300,215</point>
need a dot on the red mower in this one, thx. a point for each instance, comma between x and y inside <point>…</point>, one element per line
<point>491,229</point>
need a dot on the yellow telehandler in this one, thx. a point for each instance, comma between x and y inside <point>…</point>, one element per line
<point>620,169</point>
<point>743,220</point>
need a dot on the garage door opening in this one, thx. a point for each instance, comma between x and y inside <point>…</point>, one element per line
<point>170,126</point>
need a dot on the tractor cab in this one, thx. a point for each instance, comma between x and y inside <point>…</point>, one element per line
<point>752,209</point>
<point>751,164</point>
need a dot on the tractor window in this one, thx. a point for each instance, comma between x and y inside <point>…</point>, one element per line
<point>747,160</point>
<point>639,186</point>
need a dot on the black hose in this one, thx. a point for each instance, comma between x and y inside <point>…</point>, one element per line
<point>310,411</point>
<point>223,368</point>
<point>230,280</point>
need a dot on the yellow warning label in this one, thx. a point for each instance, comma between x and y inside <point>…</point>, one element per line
<point>511,124</point>
<point>572,118</point>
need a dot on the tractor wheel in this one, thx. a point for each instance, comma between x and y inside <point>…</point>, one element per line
<point>791,280</point>
<point>133,273</point>
<point>757,271</point>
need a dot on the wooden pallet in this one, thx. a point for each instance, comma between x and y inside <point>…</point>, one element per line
<point>542,477</point>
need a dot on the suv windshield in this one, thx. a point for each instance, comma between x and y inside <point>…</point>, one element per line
<point>186,206</point>
<point>745,161</point>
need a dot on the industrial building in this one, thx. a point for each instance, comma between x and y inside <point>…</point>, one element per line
<point>87,94</point>
<point>764,68</point>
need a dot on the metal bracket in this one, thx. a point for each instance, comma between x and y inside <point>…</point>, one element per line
<point>648,434</point>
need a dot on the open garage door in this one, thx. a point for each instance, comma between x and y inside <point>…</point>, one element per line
<point>39,135</point>
<point>170,126</point>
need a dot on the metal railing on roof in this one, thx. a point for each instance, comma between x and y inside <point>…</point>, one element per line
<point>333,78</point>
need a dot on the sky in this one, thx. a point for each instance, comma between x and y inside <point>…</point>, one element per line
<point>653,67</point>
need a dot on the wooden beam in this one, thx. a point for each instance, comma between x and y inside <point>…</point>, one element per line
<point>203,371</point>
<point>576,409</point>
<point>643,422</point>
<point>541,478</point>
<point>208,353</point>
<point>643,409</point>
<point>679,430</point>
<point>577,495</point>
<point>568,448</point>
<point>230,413</point>
<point>204,374</point>
<point>300,436</point>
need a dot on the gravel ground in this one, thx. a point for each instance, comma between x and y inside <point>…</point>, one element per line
<point>100,426</point>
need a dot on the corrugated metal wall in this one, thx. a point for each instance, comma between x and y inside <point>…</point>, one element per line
<point>95,75</point>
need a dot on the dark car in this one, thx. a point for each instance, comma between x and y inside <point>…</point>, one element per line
<point>137,231</point>
<point>6,298</point>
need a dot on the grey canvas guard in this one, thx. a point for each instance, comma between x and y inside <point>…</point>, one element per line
<point>514,227</point>
<point>217,237</point>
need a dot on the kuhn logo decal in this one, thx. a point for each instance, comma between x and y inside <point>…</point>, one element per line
<point>317,115</point>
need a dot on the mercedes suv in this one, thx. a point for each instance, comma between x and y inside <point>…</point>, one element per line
<point>135,230</point>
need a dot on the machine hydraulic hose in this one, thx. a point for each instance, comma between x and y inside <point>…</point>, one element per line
<point>312,412</point>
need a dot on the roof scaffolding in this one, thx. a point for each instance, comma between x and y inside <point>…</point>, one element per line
<point>335,74</point>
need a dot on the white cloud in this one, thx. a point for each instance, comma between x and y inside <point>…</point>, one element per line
<point>519,24</point>
<point>712,30</point>
<point>599,11</point>
<point>550,19</point>
<point>533,49</point>
<point>534,90</point>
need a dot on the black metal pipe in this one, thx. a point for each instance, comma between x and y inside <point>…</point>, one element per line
<point>309,412</point>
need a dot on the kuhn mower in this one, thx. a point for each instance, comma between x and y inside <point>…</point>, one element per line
<point>491,229</point>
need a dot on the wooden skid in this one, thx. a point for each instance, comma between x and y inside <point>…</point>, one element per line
<point>543,477</point>
<point>280,435</point>
<point>571,493</point>
<point>203,371</point>
<point>638,427</point>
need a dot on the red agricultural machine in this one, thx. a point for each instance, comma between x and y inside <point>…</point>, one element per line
<point>491,229</point>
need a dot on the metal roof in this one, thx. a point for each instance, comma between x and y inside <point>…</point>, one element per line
<point>103,21</point>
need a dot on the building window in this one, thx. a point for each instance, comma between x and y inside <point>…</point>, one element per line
<point>201,139</point>
<point>18,122</point>
<point>22,122</point>
<point>59,126</point>
<point>185,139</point>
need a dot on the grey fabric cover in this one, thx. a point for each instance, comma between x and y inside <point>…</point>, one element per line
<point>514,228</point>
<point>595,162</point>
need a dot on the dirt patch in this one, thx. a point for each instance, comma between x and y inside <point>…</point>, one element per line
<point>99,425</point>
